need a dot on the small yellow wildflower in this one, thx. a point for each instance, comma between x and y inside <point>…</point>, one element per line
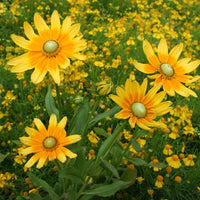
<point>159,181</point>
<point>178,179</point>
<point>173,161</point>
<point>167,150</point>
<point>93,138</point>
<point>189,160</point>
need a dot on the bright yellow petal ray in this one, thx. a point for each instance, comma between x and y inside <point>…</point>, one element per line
<point>20,41</point>
<point>66,25</point>
<point>74,29</point>
<point>145,68</point>
<point>68,153</point>
<point>43,158</point>
<point>31,131</point>
<point>26,140</point>
<point>27,151</point>
<point>40,24</point>
<point>62,123</point>
<point>123,114</point>
<point>40,126</point>
<point>143,126</point>
<point>175,53</point>
<point>60,155</point>
<point>53,121</point>
<point>192,79</point>
<point>132,120</point>
<point>54,71</point>
<point>32,160</point>
<point>55,20</point>
<point>28,30</point>
<point>163,51</point>
<point>71,139</point>
<point>192,66</point>
<point>149,52</point>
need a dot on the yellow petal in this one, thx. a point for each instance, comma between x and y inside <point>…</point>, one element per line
<point>163,108</point>
<point>71,139</point>
<point>40,24</point>
<point>192,66</point>
<point>149,52</point>
<point>123,114</point>
<point>43,158</point>
<point>163,51</point>
<point>55,20</point>
<point>66,25</point>
<point>175,53</point>
<point>68,153</point>
<point>74,29</point>
<point>62,123</point>
<point>145,68</point>
<point>53,120</point>
<point>32,160</point>
<point>20,41</point>
<point>60,155</point>
<point>26,140</point>
<point>40,126</point>
<point>28,30</point>
<point>142,126</point>
<point>27,151</point>
<point>31,131</point>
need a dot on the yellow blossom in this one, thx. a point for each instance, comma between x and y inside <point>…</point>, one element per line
<point>189,160</point>
<point>173,161</point>
<point>159,181</point>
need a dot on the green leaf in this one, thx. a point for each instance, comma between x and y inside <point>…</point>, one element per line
<point>72,174</point>
<point>104,115</point>
<point>158,165</point>
<point>100,131</point>
<point>50,104</point>
<point>106,190</point>
<point>108,143</point>
<point>137,161</point>
<point>140,133</point>
<point>129,176</point>
<point>79,120</point>
<point>86,197</point>
<point>136,146</point>
<point>3,156</point>
<point>110,167</point>
<point>45,186</point>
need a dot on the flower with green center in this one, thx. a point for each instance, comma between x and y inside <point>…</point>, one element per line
<point>141,108</point>
<point>50,50</point>
<point>48,144</point>
<point>168,70</point>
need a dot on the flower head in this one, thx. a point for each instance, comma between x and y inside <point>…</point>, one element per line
<point>48,144</point>
<point>159,181</point>
<point>189,160</point>
<point>141,108</point>
<point>50,49</point>
<point>169,71</point>
<point>174,161</point>
<point>105,86</point>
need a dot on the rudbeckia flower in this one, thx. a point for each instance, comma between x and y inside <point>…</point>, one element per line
<point>141,108</point>
<point>48,144</point>
<point>168,70</point>
<point>49,50</point>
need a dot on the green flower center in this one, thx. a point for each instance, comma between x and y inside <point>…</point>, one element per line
<point>49,142</point>
<point>167,69</point>
<point>50,46</point>
<point>138,109</point>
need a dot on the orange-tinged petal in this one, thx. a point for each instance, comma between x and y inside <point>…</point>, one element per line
<point>156,99</point>
<point>175,53</point>
<point>40,126</point>
<point>27,151</point>
<point>32,160</point>
<point>28,30</point>
<point>123,114</point>
<point>192,79</point>
<point>20,41</point>
<point>40,71</point>
<point>163,51</point>
<point>69,153</point>
<point>43,158</point>
<point>163,108</point>
<point>149,52</point>
<point>26,140</point>
<point>53,120</point>
<point>40,24</point>
<point>132,120</point>
<point>167,85</point>
<point>143,87</point>
<point>71,139</point>
<point>60,155</point>
<point>145,68</point>
<point>54,70</point>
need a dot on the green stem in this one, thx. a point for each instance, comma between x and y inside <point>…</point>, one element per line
<point>89,117</point>
<point>82,188</point>
<point>59,101</point>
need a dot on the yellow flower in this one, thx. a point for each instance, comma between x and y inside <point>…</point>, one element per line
<point>140,179</point>
<point>48,144</point>
<point>189,160</point>
<point>178,179</point>
<point>50,49</point>
<point>173,161</point>
<point>167,150</point>
<point>170,72</point>
<point>141,108</point>
<point>159,181</point>
<point>93,138</point>
<point>105,86</point>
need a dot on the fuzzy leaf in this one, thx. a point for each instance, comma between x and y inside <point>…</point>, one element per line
<point>137,161</point>
<point>50,104</point>
<point>45,186</point>
<point>100,131</point>
<point>110,167</point>
<point>129,176</point>
<point>106,190</point>
<point>158,165</point>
